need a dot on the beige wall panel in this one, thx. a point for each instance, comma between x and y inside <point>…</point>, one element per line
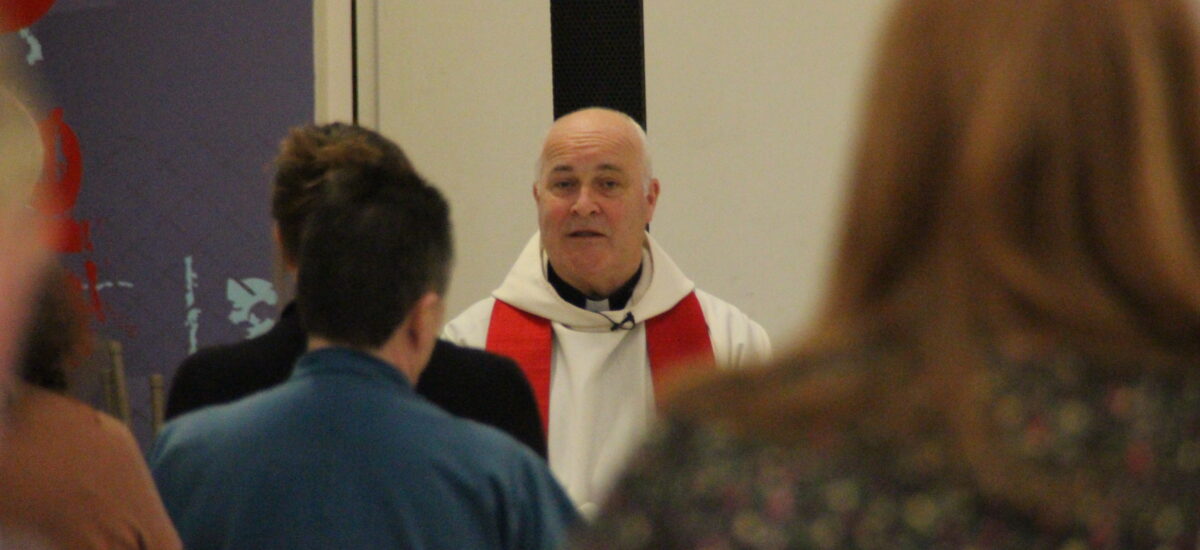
<point>333,94</point>
<point>752,107</point>
<point>465,87</point>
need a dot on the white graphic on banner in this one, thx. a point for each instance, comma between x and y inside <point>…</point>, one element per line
<point>244,294</point>
<point>35,47</point>
<point>193,313</point>
<point>109,284</point>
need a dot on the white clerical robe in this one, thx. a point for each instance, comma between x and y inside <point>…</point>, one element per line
<point>601,393</point>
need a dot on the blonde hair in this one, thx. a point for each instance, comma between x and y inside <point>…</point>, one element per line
<point>20,147</point>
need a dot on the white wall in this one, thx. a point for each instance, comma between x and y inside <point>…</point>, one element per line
<point>751,107</point>
<point>465,88</point>
<point>333,84</point>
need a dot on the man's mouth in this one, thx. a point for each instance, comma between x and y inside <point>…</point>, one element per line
<point>584,233</point>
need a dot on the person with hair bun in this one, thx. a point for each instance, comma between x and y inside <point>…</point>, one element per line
<point>1008,353</point>
<point>344,453</point>
<point>315,165</point>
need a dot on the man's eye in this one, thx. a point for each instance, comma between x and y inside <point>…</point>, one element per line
<point>610,184</point>
<point>563,184</point>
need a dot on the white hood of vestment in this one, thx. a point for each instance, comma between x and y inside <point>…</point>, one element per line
<point>527,287</point>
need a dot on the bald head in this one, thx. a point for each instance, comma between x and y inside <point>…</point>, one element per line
<point>600,121</point>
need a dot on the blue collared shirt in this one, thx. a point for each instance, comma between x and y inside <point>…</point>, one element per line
<point>345,454</point>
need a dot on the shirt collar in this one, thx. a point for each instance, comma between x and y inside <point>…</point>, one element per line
<point>615,301</point>
<point>345,360</point>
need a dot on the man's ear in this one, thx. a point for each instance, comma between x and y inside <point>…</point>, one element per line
<point>651,199</point>
<point>420,331</point>
<point>425,319</point>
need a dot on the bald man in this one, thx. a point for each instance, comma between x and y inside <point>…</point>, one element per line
<point>594,310</point>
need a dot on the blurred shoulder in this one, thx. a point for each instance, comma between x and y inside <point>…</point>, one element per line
<point>48,424</point>
<point>54,411</point>
<point>787,390</point>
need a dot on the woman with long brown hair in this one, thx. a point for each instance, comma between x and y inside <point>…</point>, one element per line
<point>1008,352</point>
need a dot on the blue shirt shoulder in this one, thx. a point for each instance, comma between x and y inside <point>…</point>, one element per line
<point>346,454</point>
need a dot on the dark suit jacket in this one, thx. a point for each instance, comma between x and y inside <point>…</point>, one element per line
<point>470,383</point>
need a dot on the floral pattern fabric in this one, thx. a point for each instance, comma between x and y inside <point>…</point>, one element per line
<point>697,486</point>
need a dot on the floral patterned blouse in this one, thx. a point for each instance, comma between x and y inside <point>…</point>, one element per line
<point>696,486</point>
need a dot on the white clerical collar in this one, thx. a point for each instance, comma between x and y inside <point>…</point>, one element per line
<point>596,305</point>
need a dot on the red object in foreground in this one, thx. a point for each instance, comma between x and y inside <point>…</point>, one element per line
<point>18,14</point>
<point>62,179</point>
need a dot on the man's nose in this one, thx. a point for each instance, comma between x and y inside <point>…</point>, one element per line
<point>585,204</point>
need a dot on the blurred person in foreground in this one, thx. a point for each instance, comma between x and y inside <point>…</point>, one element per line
<point>1008,353</point>
<point>23,236</point>
<point>344,453</point>
<point>72,477</point>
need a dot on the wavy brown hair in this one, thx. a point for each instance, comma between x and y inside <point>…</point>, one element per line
<point>316,162</point>
<point>1025,170</point>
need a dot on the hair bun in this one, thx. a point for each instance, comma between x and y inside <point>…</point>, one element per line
<point>341,161</point>
<point>331,162</point>
<point>331,148</point>
<point>348,153</point>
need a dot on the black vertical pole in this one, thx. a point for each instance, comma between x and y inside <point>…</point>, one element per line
<point>599,56</point>
<point>354,60</point>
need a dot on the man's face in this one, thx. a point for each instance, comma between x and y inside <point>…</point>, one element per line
<point>593,204</point>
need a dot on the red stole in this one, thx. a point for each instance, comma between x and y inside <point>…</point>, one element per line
<point>677,338</point>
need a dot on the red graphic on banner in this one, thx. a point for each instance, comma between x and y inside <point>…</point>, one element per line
<point>93,295</point>
<point>57,193</point>
<point>88,288</point>
<point>62,179</point>
<point>18,14</point>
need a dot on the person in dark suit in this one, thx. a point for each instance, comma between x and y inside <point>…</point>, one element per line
<point>469,383</point>
<point>344,453</point>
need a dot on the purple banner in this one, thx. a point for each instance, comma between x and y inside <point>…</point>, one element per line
<point>163,117</point>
